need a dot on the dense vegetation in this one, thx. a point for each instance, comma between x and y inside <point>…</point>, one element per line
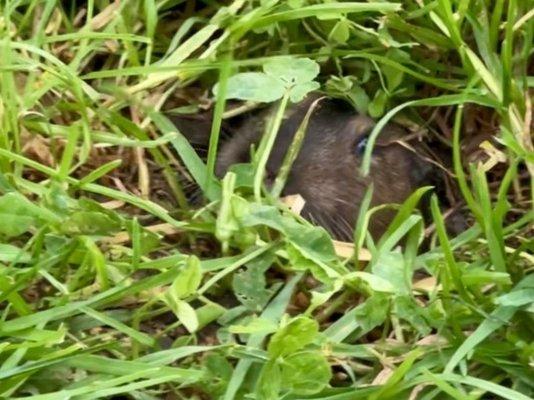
<point>117,279</point>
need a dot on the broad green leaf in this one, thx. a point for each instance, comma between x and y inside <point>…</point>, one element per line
<point>218,365</point>
<point>9,253</point>
<point>18,214</point>
<point>58,200</point>
<point>269,382</point>
<point>253,86</point>
<point>89,223</point>
<point>391,266</point>
<point>298,262</point>
<point>209,313</point>
<point>219,372</point>
<point>404,307</point>
<point>359,98</point>
<point>187,315</point>
<point>394,77</point>
<point>340,33</point>
<point>378,104</point>
<point>308,247</point>
<point>298,333</point>
<point>188,280</point>
<point>314,242</point>
<point>257,325</point>
<point>273,312</point>
<point>292,71</point>
<point>388,41</point>
<point>371,281</point>
<point>340,84</point>
<point>264,215</point>
<point>231,209</point>
<point>299,91</point>
<point>319,298</point>
<point>373,312</point>
<point>305,373</point>
<point>347,87</point>
<point>250,285</point>
<point>244,175</point>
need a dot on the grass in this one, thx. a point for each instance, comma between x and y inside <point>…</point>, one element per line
<point>113,283</point>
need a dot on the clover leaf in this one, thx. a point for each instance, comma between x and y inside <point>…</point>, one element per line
<point>292,70</point>
<point>254,86</point>
<point>305,373</point>
<point>297,334</point>
<point>280,75</point>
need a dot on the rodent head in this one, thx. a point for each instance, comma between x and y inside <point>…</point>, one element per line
<point>326,171</point>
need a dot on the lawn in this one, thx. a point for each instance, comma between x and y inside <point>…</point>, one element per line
<point>129,270</point>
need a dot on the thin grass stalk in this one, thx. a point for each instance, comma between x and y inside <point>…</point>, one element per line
<point>217,118</point>
<point>452,267</point>
<point>293,151</point>
<point>362,223</point>
<point>267,145</point>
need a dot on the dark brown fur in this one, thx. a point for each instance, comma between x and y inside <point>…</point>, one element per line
<point>326,171</point>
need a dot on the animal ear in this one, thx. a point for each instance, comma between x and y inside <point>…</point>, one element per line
<point>195,127</point>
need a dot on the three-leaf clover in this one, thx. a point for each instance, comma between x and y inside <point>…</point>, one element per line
<point>280,75</point>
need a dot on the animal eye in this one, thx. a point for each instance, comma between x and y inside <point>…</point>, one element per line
<point>361,144</point>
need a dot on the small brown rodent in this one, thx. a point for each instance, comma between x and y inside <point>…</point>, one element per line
<point>326,172</point>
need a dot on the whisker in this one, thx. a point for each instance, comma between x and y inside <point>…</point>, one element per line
<point>343,201</point>
<point>347,229</point>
